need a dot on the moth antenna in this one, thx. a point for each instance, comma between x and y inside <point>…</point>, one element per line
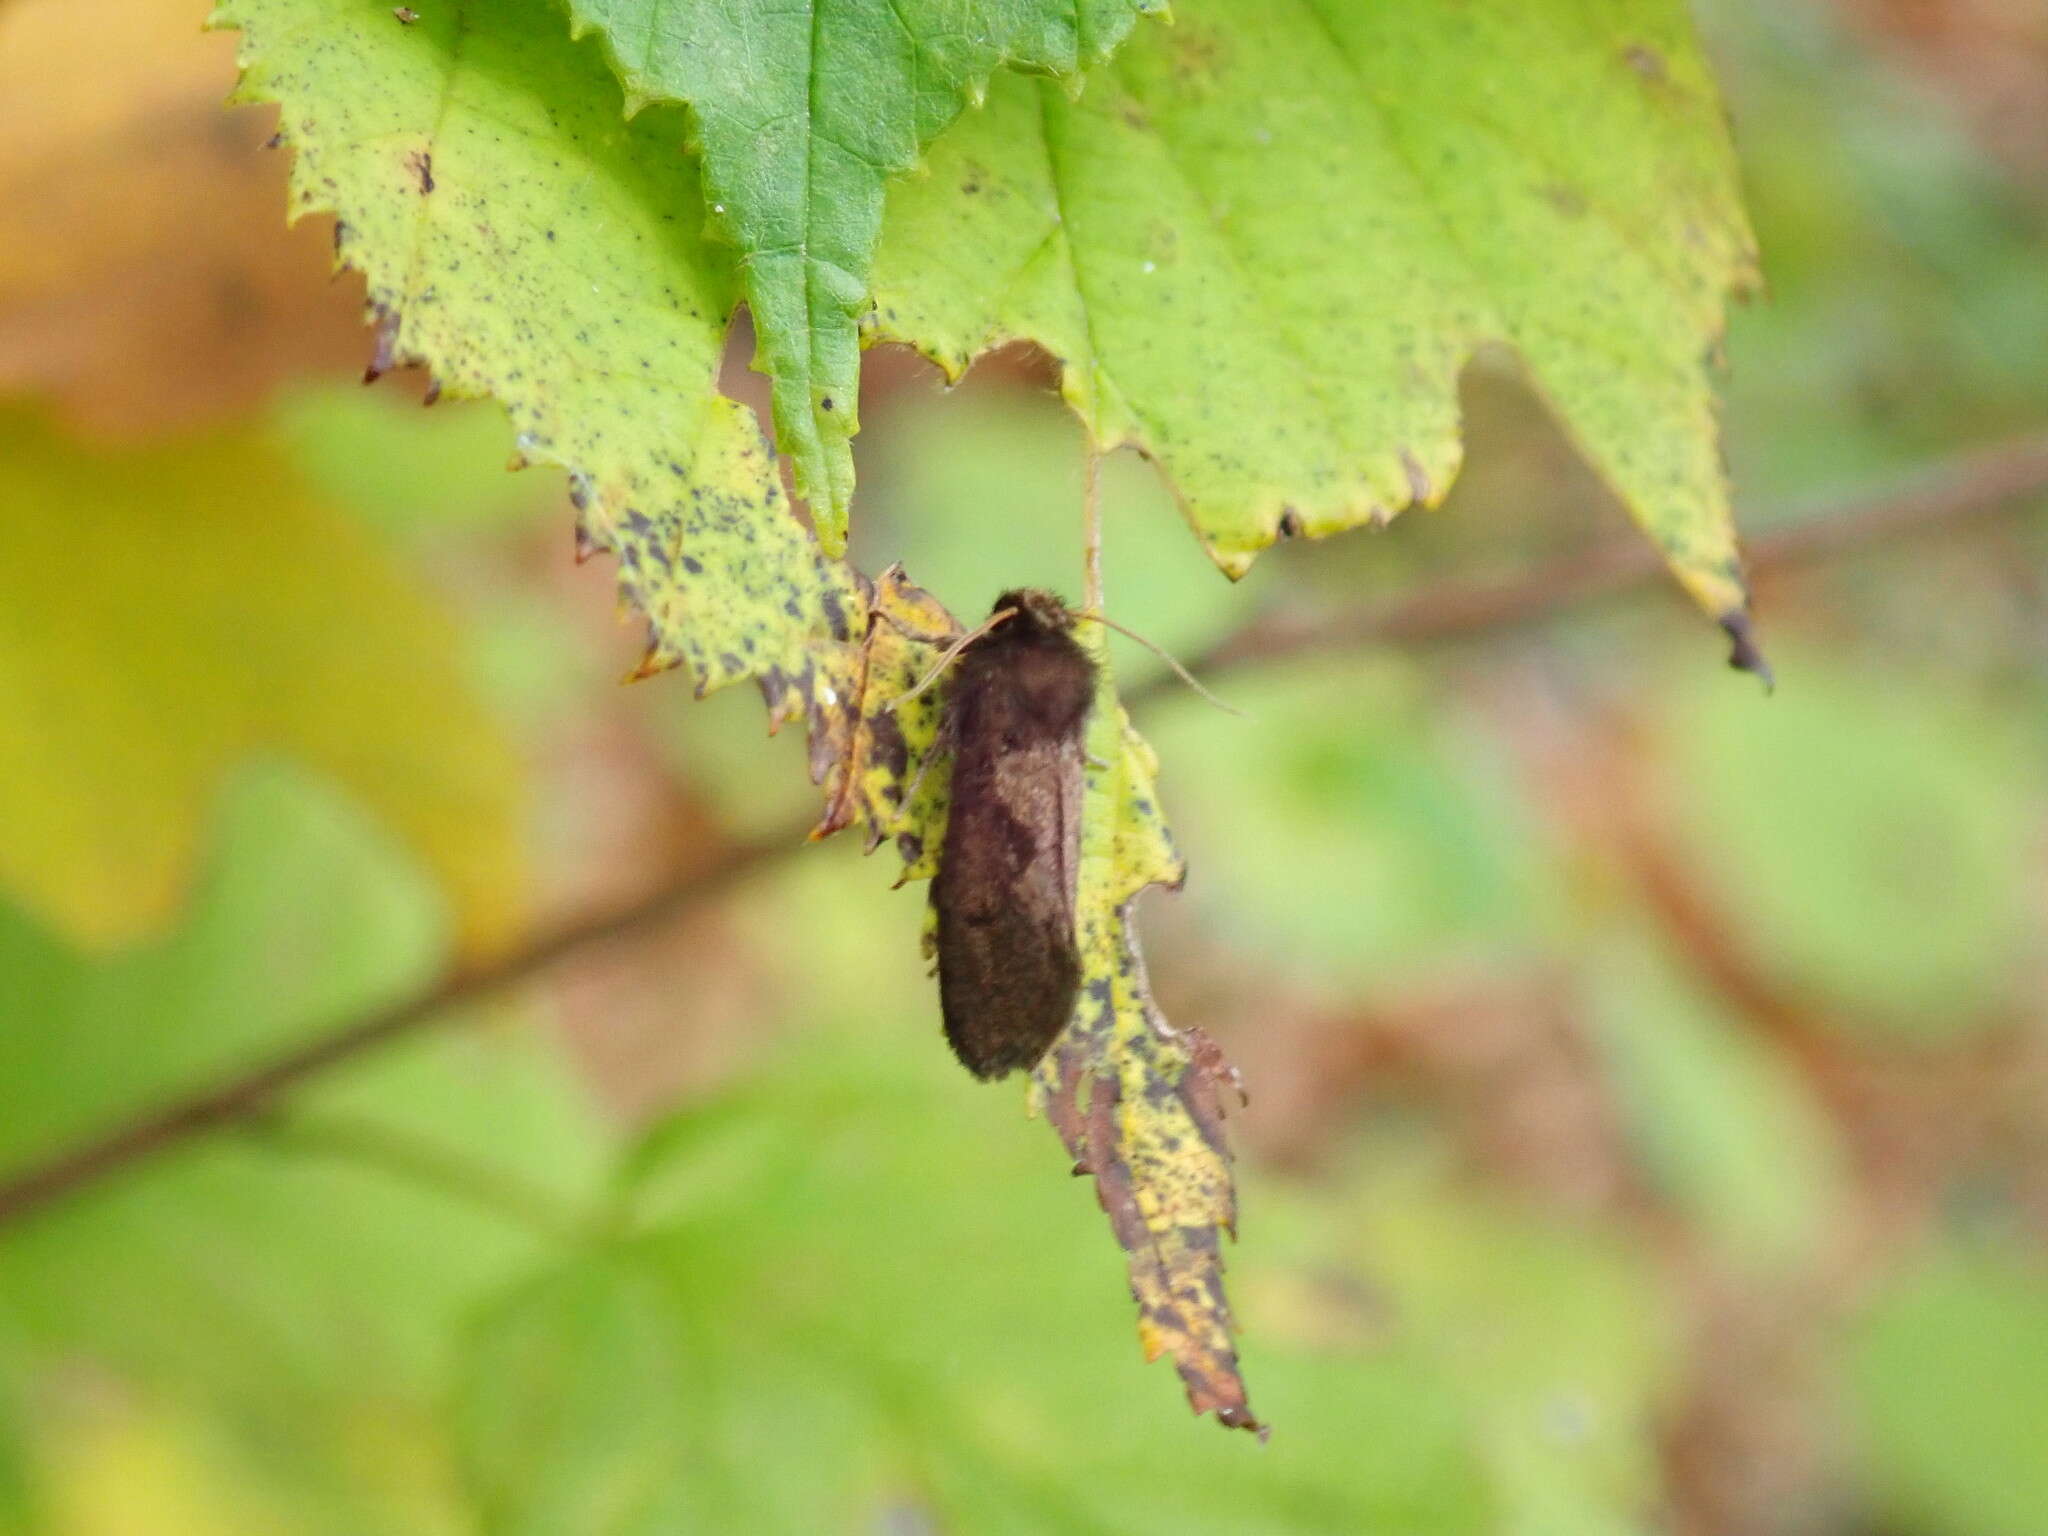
<point>1160,651</point>
<point>1001,615</point>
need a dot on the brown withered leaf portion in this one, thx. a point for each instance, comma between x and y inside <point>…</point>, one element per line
<point>1139,1104</point>
<point>1161,1168</point>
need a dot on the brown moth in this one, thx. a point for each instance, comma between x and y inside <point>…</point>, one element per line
<point>1015,714</point>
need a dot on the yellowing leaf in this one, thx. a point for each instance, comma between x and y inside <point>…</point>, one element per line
<point>524,243</point>
<point>1139,1104</point>
<point>1264,240</point>
<point>166,614</point>
<point>133,1467</point>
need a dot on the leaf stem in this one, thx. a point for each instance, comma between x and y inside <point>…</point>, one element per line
<point>1091,532</point>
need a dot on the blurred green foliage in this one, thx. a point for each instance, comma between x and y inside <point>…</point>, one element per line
<point>1608,1025</point>
<point>1947,1382</point>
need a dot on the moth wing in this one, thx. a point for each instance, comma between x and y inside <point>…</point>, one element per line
<point>1009,965</point>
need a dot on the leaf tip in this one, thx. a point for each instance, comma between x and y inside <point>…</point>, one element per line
<point>1744,654</point>
<point>384,355</point>
<point>653,664</point>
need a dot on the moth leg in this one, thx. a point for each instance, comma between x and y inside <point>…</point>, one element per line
<point>908,633</point>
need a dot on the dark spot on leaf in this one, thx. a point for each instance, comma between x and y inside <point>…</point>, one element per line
<point>835,615</point>
<point>693,565</point>
<point>1198,55</point>
<point>1565,198</point>
<point>887,747</point>
<point>1290,526</point>
<point>1645,61</point>
<point>422,164</point>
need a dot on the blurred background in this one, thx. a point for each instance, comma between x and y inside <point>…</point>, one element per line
<point>1649,1078</point>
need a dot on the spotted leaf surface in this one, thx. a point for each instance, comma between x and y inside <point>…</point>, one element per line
<point>802,113</point>
<point>1264,240</point>
<point>524,242</point>
<point>1138,1104</point>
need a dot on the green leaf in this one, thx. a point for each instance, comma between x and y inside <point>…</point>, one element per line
<point>802,113</point>
<point>1952,1399</point>
<point>1555,1337</point>
<point>160,624</point>
<point>1263,242</point>
<point>1356,832</point>
<point>794,1285</point>
<point>574,1411</point>
<point>1898,893</point>
<point>18,1501</point>
<point>292,1300</point>
<point>1725,1126</point>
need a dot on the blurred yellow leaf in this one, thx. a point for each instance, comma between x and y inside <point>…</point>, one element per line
<point>122,1467</point>
<point>167,613</point>
<point>130,290</point>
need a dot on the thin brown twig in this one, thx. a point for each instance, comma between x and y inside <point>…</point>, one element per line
<point>251,1091</point>
<point>1954,491</point>
<point>1962,489</point>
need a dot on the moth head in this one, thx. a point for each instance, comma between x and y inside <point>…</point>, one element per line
<point>1036,609</point>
